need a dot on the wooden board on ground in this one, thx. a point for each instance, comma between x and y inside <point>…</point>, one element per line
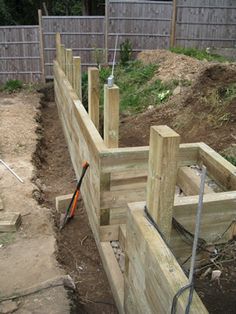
<point>9,222</point>
<point>1,204</point>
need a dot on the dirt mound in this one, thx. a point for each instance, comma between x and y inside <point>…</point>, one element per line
<point>172,66</point>
<point>206,111</point>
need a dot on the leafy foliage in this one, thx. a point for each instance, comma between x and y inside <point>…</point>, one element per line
<point>25,12</point>
<point>12,86</point>
<point>125,52</point>
<point>138,88</point>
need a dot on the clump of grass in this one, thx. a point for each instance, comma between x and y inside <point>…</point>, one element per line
<point>137,89</point>
<point>198,54</point>
<point>231,159</point>
<point>12,86</point>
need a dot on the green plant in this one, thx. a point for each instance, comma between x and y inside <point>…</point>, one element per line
<point>85,89</point>
<point>231,159</point>
<point>12,86</point>
<point>125,52</point>
<point>98,56</point>
<point>198,54</point>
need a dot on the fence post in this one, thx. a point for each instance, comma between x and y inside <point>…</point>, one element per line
<point>77,76</point>
<point>162,173</point>
<point>41,45</point>
<point>58,45</point>
<point>111,116</point>
<point>69,61</point>
<point>93,95</point>
<point>173,24</point>
<point>106,30</point>
<point>63,57</point>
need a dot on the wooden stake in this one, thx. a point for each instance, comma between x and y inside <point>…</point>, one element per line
<point>173,24</point>
<point>69,67</point>
<point>77,76</point>
<point>63,58</point>
<point>58,44</point>
<point>162,173</point>
<point>111,116</point>
<point>41,45</point>
<point>93,95</point>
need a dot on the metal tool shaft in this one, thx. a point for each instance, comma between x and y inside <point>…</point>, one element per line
<point>12,171</point>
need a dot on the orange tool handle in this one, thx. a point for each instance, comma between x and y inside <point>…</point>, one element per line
<point>72,213</point>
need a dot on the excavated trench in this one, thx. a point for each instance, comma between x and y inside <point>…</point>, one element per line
<point>76,249</point>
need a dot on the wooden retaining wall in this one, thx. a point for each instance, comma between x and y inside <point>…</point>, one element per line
<point>146,176</point>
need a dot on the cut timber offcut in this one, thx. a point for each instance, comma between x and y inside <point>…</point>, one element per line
<point>9,222</point>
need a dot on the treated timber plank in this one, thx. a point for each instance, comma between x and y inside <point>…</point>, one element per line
<point>89,131</point>
<point>111,116</point>
<point>222,171</point>
<point>122,236</point>
<point>93,95</point>
<point>77,77</point>
<point>136,158</point>
<point>163,276</point>
<point>9,222</point>
<point>114,274</point>
<point>162,174</point>
<point>62,202</point>
<point>109,233</point>
<point>189,182</point>
<point>1,204</point>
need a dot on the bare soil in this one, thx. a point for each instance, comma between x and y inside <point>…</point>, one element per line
<point>199,113</point>
<point>77,251</point>
<point>27,257</point>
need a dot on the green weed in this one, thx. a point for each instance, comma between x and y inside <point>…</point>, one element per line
<point>198,54</point>
<point>12,86</point>
<point>138,89</point>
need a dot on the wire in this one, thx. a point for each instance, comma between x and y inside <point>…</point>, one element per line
<point>114,58</point>
<point>176,297</point>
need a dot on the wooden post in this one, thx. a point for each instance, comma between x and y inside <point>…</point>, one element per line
<point>93,95</point>
<point>41,45</point>
<point>162,174</point>
<point>63,57</point>
<point>106,32</point>
<point>173,24</point>
<point>77,76</point>
<point>69,67</point>
<point>111,116</point>
<point>58,45</point>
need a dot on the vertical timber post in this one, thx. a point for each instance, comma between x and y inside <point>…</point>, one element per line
<point>111,116</point>
<point>162,173</point>
<point>106,31</point>
<point>41,45</point>
<point>63,57</point>
<point>173,24</point>
<point>77,76</point>
<point>93,95</point>
<point>58,50</point>
<point>69,61</point>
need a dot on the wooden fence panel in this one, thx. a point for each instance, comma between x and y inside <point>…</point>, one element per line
<point>145,23</point>
<point>206,23</point>
<point>83,34</point>
<point>19,53</point>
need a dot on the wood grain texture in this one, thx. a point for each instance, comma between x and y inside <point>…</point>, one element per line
<point>221,170</point>
<point>111,116</point>
<point>93,95</point>
<point>189,182</point>
<point>153,276</point>
<point>162,173</point>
